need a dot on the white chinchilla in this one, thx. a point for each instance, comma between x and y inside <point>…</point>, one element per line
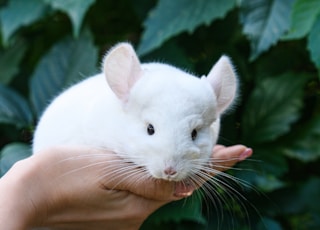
<point>154,115</point>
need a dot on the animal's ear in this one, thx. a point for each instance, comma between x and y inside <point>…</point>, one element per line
<point>223,81</point>
<point>122,69</point>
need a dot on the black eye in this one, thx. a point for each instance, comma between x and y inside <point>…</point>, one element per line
<point>150,129</point>
<point>194,134</point>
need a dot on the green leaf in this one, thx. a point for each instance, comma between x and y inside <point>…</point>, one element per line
<point>314,41</point>
<point>264,22</point>
<point>303,193</point>
<point>76,10</point>
<point>14,109</point>
<point>171,53</point>
<point>187,209</point>
<point>66,63</point>
<point>311,190</point>
<point>272,107</point>
<point>267,223</point>
<point>269,164</point>
<point>12,153</point>
<point>19,13</point>
<point>304,144</point>
<point>268,183</point>
<point>170,18</point>
<point>303,16</point>
<point>9,61</point>
<point>271,161</point>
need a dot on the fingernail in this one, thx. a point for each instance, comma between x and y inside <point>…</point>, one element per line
<point>183,189</point>
<point>245,154</point>
<point>183,195</point>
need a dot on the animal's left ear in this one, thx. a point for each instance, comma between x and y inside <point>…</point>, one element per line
<point>223,81</point>
<point>122,69</point>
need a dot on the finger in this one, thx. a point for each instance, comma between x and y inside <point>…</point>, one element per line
<point>224,158</point>
<point>218,147</point>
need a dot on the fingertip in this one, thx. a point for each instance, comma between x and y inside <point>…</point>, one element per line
<point>245,154</point>
<point>183,190</point>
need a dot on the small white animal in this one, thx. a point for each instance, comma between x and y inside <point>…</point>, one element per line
<point>154,115</point>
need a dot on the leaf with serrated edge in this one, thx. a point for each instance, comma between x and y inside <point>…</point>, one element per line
<point>14,109</point>
<point>303,16</point>
<point>76,10</point>
<point>66,63</point>
<point>272,107</point>
<point>304,144</point>
<point>170,18</point>
<point>19,13</point>
<point>264,22</point>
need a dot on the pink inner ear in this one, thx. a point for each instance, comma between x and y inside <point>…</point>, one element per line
<point>122,70</point>
<point>223,81</point>
<point>215,86</point>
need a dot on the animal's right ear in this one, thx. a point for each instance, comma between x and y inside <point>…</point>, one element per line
<point>223,81</point>
<point>122,69</point>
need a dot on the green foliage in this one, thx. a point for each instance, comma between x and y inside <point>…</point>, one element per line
<point>313,42</point>
<point>17,14</point>
<point>304,15</point>
<point>65,63</point>
<point>305,21</point>
<point>50,44</point>
<point>76,10</point>
<point>14,109</point>
<point>272,94</point>
<point>172,213</point>
<point>170,18</point>
<point>264,22</point>
<point>10,59</point>
<point>306,148</point>
<point>12,153</point>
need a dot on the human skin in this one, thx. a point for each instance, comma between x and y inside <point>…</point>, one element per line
<point>61,189</point>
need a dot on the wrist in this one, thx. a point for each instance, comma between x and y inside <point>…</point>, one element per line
<point>18,202</point>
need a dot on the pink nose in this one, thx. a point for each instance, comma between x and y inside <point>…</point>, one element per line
<point>170,171</point>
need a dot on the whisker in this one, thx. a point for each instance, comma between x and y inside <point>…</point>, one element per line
<point>219,193</point>
<point>127,172</point>
<point>85,167</point>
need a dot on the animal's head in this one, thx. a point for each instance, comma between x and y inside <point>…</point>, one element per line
<point>173,117</point>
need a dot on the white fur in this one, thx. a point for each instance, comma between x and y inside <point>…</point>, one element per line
<point>115,116</point>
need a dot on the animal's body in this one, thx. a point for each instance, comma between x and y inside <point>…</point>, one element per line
<point>155,115</point>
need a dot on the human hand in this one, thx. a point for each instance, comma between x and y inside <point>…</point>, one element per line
<point>80,188</point>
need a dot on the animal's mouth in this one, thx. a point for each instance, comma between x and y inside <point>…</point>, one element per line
<point>183,187</point>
